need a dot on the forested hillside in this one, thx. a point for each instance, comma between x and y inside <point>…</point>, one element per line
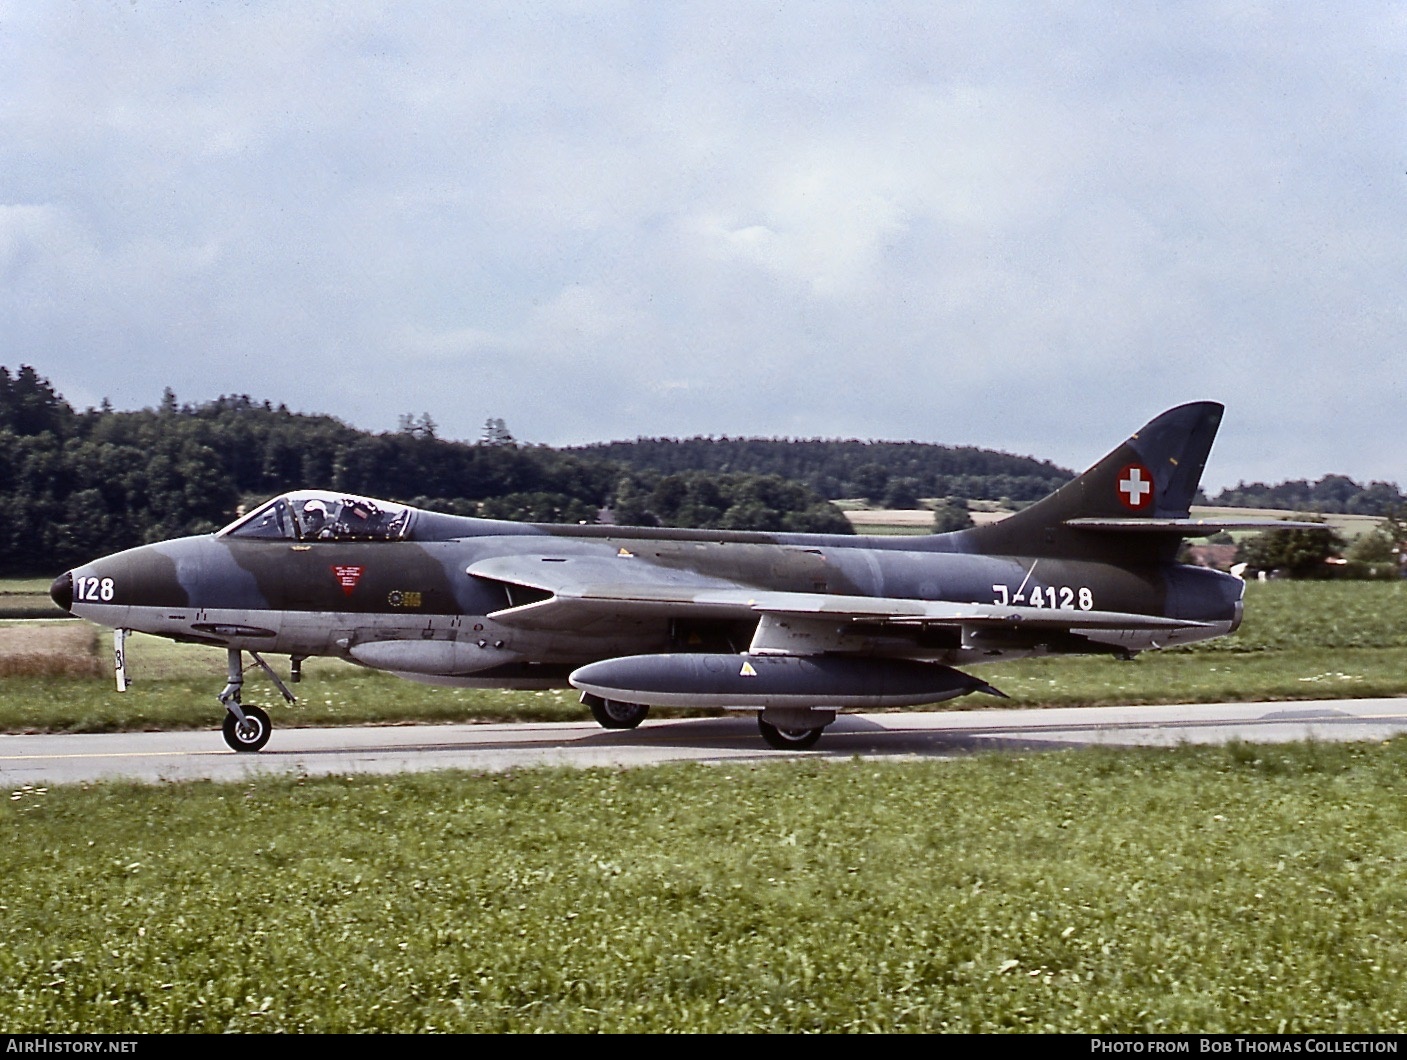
<point>889,473</point>
<point>75,485</point>
<point>879,471</point>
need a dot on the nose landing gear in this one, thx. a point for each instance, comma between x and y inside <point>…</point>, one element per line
<point>246,728</point>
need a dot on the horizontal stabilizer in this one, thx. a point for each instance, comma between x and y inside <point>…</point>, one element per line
<point>1190,527</point>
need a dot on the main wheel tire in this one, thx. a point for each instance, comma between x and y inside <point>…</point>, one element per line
<point>250,734</point>
<point>788,739</point>
<point>613,714</point>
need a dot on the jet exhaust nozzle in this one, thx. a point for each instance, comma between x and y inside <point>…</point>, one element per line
<point>760,681</point>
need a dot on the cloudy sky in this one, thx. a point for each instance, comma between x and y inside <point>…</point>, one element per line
<point>1026,226</point>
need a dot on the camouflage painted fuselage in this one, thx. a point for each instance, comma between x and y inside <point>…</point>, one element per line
<point>338,597</point>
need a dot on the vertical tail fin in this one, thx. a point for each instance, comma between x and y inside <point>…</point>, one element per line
<point>1154,476</point>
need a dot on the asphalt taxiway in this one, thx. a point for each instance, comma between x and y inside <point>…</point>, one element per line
<point>173,756</point>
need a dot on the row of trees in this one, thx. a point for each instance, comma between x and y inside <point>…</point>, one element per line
<point>892,474</point>
<point>1377,554</point>
<point>74,485</point>
<point>1332,493</point>
<point>726,500</point>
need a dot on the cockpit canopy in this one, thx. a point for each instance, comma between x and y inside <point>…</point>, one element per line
<point>315,515</point>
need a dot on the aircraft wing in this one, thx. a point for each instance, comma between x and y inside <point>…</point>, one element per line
<point>593,590</point>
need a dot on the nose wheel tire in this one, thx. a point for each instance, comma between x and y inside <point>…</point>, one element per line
<point>788,739</point>
<point>250,734</point>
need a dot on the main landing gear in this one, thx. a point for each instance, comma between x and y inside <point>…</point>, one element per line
<point>612,713</point>
<point>782,728</point>
<point>787,739</point>
<point>247,728</point>
<point>793,728</point>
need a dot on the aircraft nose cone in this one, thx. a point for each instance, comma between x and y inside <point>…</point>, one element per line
<point>61,592</point>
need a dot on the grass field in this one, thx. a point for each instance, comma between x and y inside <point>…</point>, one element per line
<point>1239,889</point>
<point>884,521</point>
<point>26,598</point>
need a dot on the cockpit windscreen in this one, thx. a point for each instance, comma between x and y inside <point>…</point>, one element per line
<point>312,515</point>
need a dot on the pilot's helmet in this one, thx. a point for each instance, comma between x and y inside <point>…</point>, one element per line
<point>315,511</point>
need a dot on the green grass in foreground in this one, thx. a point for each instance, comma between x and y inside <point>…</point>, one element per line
<point>1197,889</point>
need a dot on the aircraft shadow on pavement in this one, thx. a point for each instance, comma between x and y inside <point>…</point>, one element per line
<point>849,735</point>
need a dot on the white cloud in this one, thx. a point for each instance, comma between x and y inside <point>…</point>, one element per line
<point>1028,227</point>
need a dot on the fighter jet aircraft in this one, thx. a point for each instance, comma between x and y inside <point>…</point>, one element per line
<point>794,627</point>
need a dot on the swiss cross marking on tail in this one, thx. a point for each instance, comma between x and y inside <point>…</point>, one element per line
<point>1135,484</point>
<point>347,576</point>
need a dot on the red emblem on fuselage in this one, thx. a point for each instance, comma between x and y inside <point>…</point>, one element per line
<point>1135,488</point>
<point>347,577</point>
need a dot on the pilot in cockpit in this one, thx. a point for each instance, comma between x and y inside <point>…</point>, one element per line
<point>315,520</point>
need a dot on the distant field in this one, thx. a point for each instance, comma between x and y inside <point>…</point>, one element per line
<point>891,528</point>
<point>915,521</point>
<point>26,598</point>
<point>1350,526</point>
<point>50,649</point>
<point>885,521</point>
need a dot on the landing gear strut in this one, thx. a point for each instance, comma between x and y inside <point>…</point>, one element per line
<point>246,728</point>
